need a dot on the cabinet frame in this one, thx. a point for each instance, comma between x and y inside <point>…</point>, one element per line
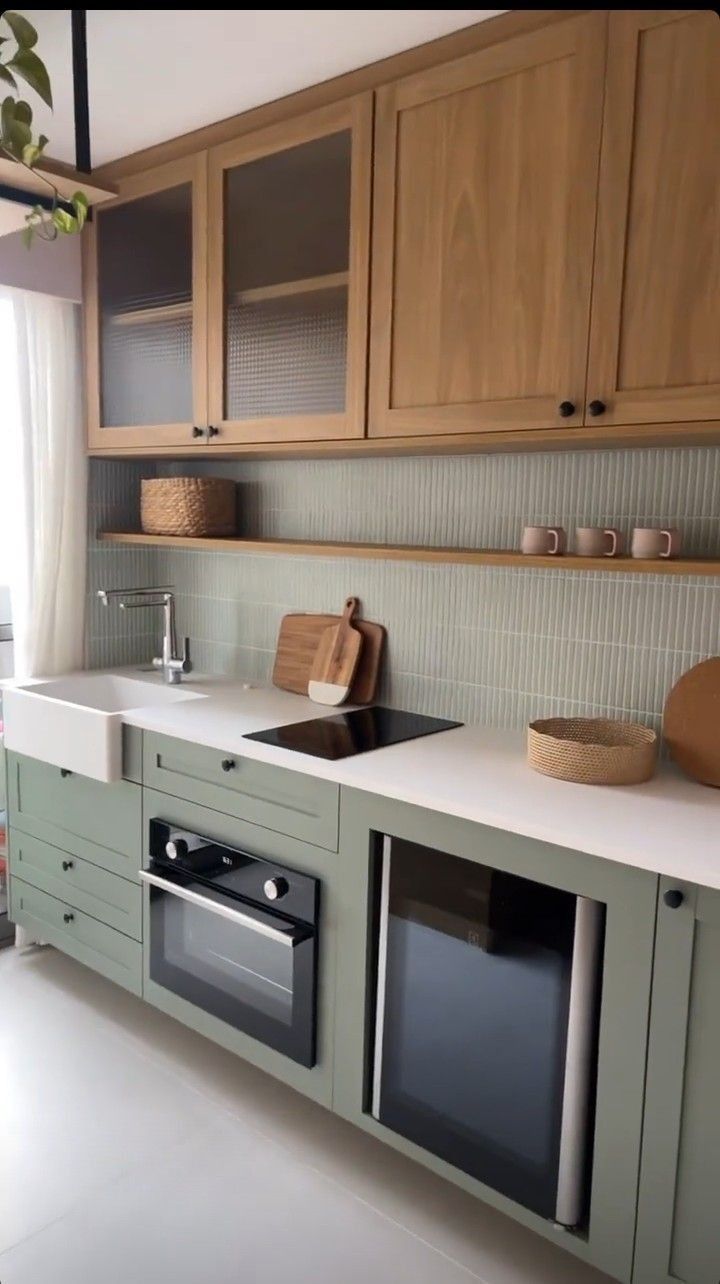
<point>630,896</point>
<point>585,36</point>
<point>671,1013</point>
<point>635,406</point>
<point>354,114</point>
<point>192,169</point>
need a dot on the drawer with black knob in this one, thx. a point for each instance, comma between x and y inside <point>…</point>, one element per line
<point>56,922</point>
<point>77,882</point>
<point>289,802</point>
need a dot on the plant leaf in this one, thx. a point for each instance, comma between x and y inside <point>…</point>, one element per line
<point>23,112</point>
<point>7,76</point>
<point>80,205</point>
<point>64,221</point>
<point>27,236</point>
<point>31,154</point>
<point>7,114</point>
<point>23,31</point>
<point>33,71</point>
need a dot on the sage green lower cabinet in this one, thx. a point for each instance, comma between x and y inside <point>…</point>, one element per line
<point>679,1209</point>
<point>77,883</point>
<point>316,1082</point>
<point>630,898</point>
<point>289,802</point>
<point>101,823</point>
<point>93,943</point>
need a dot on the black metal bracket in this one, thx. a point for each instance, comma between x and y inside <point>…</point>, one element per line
<point>23,197</point>
<point>80,90</point>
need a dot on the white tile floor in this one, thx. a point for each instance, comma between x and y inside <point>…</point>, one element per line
<point>133,1150</point>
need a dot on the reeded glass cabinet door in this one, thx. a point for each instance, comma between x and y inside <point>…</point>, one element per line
<point>146,311</point>
<point>288,272</point>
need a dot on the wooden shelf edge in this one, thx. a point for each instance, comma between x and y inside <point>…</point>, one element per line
<point>417,553</point>
<point>146,316</point>
<point>288,289</point>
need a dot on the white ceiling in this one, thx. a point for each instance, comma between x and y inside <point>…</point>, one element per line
<point>157,73</point>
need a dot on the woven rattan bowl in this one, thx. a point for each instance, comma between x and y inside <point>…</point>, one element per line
<point>188,506</point>
<point>592,751</point>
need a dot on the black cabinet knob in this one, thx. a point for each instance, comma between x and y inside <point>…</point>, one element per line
<point>197,432</point>
<point>597,408</point>
<point>213,432</point>
<point>673,898</point>
<point>68,918</point>
<point>65,772</point>
<point>566,409</point>
<point>228,764</point>
<point>68,864</point>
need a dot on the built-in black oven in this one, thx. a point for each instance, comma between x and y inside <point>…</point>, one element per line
<point>235,935</point>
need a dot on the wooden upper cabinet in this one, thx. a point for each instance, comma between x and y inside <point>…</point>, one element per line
<point>485,199</point>
<point>655,336</point>
<point>288,278</point>
<point>145,284</point>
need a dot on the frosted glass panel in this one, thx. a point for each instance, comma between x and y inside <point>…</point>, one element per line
<point>287,233</point>
<point>145,291</point>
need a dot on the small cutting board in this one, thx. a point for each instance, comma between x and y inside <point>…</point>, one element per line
<point>336,659</point>
<point>298,641</point>
<point>691,722</point>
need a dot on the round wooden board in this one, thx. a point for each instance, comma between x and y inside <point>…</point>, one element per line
<point>691,722</point>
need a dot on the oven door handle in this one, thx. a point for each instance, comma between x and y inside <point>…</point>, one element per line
<point>278,934</point>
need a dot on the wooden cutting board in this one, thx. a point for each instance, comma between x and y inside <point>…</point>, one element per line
<point>691,722</point>
<point>336,659</point>
<point>298,641</point>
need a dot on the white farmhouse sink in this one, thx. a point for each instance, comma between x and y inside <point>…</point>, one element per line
<point>76,722</point>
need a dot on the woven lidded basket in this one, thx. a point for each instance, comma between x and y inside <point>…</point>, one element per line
<point>188,506</point>
<point>592,751</point>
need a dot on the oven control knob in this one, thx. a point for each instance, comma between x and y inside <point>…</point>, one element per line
<point>176,848</point>
<point>276,888</point>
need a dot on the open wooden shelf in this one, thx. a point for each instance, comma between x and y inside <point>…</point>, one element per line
<point>417,553</point>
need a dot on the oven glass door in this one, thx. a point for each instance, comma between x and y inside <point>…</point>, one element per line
<point>249,968</point>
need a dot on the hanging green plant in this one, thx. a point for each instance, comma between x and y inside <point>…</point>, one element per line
<point>16,133</point>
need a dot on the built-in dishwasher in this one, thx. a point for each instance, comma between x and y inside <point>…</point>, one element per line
<point>486,1023</point>
<point>235,935</point>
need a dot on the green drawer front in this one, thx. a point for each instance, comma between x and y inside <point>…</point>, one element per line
<point>83,937</point>
<point>76,882</point>
<point>285,801</point>
<point>62,808</point>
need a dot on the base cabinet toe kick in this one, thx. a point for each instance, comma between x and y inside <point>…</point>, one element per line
<point>538,1026</point>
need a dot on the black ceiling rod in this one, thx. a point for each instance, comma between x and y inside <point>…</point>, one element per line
<point>80,90</point>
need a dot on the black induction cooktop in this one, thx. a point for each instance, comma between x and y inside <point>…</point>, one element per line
<point>343,735</point>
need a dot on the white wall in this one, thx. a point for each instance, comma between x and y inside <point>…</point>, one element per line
<point>49,267</point>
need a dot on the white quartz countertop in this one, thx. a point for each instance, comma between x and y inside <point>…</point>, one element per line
<point>671,825</point>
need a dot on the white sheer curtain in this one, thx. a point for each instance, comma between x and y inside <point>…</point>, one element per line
<point>44,480</point>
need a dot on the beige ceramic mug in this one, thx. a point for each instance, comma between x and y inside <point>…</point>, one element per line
<point>598,541</point>
<point>651,541</point>
<point>539,541</point>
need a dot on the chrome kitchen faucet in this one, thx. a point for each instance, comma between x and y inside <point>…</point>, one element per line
<point>172,664</point>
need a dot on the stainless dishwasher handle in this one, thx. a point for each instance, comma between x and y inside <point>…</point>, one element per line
<point>224,911</point>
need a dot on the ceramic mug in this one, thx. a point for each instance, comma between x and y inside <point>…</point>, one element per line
<point>538,541</point>
<point>598,541</point>
<point>651,541</point>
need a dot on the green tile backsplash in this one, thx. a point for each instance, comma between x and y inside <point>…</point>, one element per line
<point>486,644</point>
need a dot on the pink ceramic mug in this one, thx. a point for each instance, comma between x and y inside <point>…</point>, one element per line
<point>598,541</point>
<point>651,541</point>
<point>539,541</point>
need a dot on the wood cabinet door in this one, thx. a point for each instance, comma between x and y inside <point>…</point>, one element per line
<point>288,278</point>
<point>485,195</point>
<point>145,296</point>
<point>655,333</point>
<point>678,1236</point>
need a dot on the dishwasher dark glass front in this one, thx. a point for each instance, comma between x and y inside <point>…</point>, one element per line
<point>486,1023</point>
